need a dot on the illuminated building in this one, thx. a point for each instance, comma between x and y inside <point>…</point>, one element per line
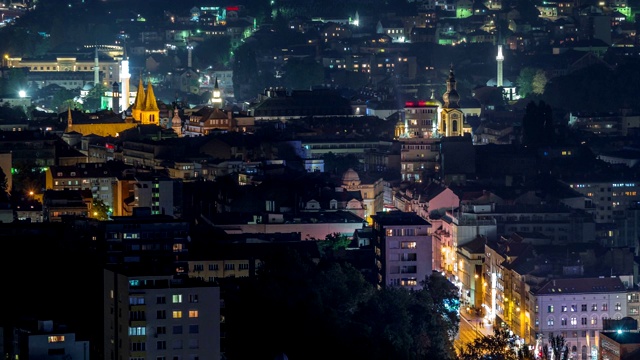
<point>576,309</point>
<point>404,249</point>
<point>42,339</point>
<point>159,316</point>
<point>452,119</point>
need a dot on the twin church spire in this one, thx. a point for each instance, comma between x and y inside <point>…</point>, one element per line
<point>145,107</point>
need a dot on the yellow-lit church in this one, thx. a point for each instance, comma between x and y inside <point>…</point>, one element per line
<point>143,111</point>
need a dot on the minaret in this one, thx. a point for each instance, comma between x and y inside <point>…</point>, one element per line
<point>189,55</point>
<point>69,119</point>
<point>499,59</point>
<point>96,69</point>
<point>124,80</point>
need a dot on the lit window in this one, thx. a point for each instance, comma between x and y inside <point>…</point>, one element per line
<point>176,299</point>
<point>177,314</point>
<point>56,338</point>
<point>193,313</point>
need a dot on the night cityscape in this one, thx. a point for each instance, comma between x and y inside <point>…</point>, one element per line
<point>320,179</point>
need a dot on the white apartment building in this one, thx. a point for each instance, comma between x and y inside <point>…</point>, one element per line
<point>575,308</point>
<point>404,248</point>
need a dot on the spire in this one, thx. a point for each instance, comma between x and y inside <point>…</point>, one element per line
<point>451,97</point>
<point>216,98</point>
<point>139,100</point>
<point>150,103</point>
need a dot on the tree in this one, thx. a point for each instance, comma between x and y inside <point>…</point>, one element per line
<point>537,124</point>
<point>214,51</point>
<point>93,100</point>
<point>498,346</point>
<point>61,100</point>
<point>332,243</point>
<point>100,210</point>
<point>27,177</point>
<point>246,80</point>
<point>539,82</point>
<point>303,74</point>
<point>525,81</point>
<point>557,347</point>
<point>338,164</point>
<point>4,191</point>
<point>294,304</point>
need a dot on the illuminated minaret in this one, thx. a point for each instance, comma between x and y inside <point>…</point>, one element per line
<point>96,69</point>
<point>499,59</point>
<point>125,93</point>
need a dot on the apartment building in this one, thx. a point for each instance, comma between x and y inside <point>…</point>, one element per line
<point>159,317</point>
<point>152,241</point>
<point>404,249</point>
<point>576,309</point>
<point>608,198</point>
<point>561,224</point>
<point>99,178</point>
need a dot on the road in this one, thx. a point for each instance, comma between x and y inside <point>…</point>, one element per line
<point>468,331</point>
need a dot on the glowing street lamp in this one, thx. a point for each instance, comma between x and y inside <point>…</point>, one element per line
<point>22,94</point>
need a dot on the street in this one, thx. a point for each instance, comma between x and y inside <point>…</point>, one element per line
<point>469,330</point>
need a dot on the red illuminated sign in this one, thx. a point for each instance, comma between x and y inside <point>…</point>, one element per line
<point>233,8</point>
<point>419,103</point>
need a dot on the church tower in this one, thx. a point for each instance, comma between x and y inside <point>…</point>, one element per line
<point>176,122</point>
<point>150,113</point>
<point>451,117</point>
<point>216,96</point>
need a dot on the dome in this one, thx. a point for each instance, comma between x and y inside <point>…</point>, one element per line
<point>432,100</point>
<point>88,86</point>
<point>350,176</point>
<point>494,82</point>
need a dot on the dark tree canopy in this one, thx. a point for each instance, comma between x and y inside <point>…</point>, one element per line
<point>537,124</point>
<point>318,311</point>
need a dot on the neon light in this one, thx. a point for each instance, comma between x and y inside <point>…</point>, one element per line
<point>233,8</point>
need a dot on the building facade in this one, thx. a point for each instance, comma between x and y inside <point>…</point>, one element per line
<point>404,249</point>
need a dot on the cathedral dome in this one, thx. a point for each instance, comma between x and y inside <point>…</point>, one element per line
<point>350,177</point>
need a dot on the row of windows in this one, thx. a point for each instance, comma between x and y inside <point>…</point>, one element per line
<point>175,314</point>
<point>401,232</point>
<point>162,330</point>
<point>215,267</point>
<point>583,307</point>
<point>162,345</point>
<point>584,321</point>
<point>87,68</point>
